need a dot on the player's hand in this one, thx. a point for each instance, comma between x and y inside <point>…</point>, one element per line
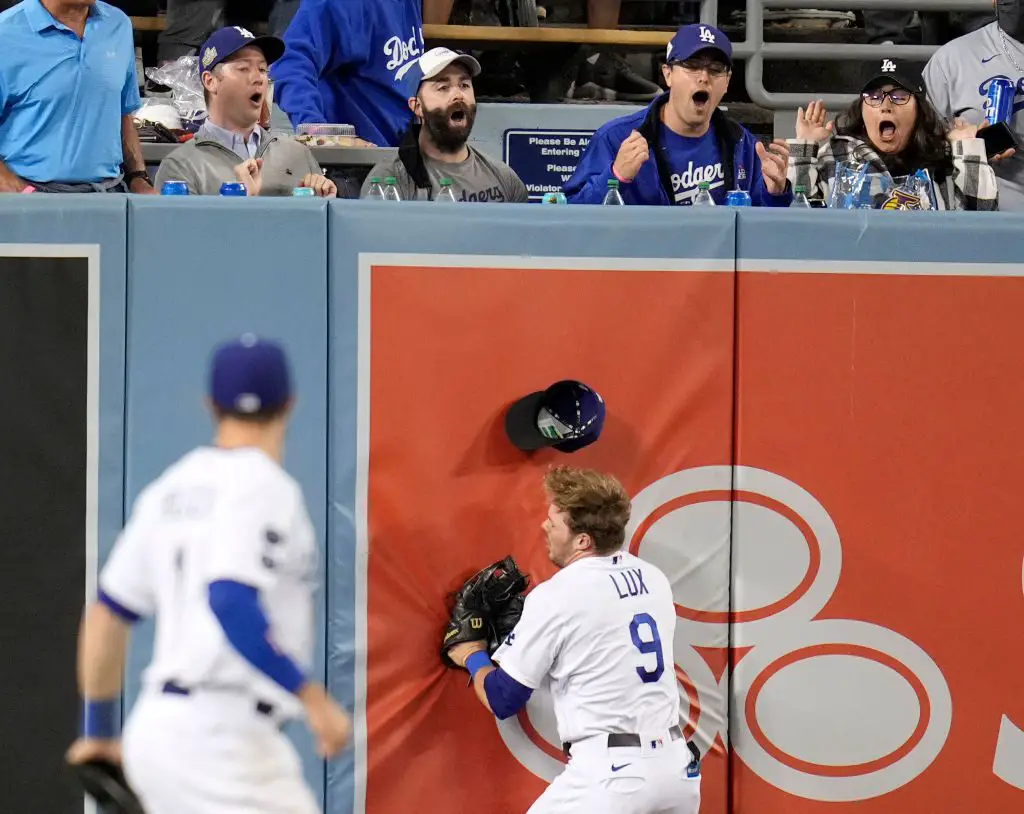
<point>85,749</point>
<point>249,172</point>
<point>812,124</point>
<point>633,154</point>
<point>460,652</point>
<point>328,722</point>
<point>322,186</point>
<point>774,163</point>
<point>992,158</point>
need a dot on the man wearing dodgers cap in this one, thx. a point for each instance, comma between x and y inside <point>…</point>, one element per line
<point>662,153</point>
<point>221,551</point>
<point>435,145</point>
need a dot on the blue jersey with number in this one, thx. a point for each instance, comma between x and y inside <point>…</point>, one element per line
<point>599,636</point>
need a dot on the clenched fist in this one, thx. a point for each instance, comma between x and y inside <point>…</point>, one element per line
<point>632,155</point>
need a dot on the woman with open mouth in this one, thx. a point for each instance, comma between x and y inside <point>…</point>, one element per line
<point>895,131</point>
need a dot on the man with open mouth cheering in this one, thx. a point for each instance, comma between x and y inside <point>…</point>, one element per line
<point>231,146</point>
<point>662,153</point>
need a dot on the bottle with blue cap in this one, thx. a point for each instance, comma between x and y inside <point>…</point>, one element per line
<point>233,189</point>
<point>303,192</point>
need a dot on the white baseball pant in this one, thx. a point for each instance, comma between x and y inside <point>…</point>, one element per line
<point>623,780</point>
<point>211,753</point>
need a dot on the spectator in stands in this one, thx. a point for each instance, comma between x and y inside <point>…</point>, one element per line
<point>231,146</point>
<point>894,130</point>
<point>190,22</point>
<point>661,153</point>
<point>435,145</point>
<point>959,74</point>
<point>348,62</point>
<point>68,90</point>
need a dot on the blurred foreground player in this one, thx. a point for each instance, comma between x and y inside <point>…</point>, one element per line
<point>221,550</point>
<point>599,634</point>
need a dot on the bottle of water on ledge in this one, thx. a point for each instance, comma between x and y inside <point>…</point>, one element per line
<point>391,189</point>
<point>375,192</point>
<point>800,199</point>
<point>612,197</point>
<point>703,197</point>
<point>445,194</point>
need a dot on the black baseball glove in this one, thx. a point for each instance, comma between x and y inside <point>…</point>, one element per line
<point>106,784</point>
<point>486,607</point>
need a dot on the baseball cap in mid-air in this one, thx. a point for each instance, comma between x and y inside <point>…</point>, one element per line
<point>894,72</point>
<point>691,39</point>
<point>568,416</point>
<point>434,61</point>
<point>249,375</point>
<point>226,42</point>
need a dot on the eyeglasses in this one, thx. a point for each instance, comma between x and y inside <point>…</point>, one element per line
<point>899,96</point>
<point>714,69</point>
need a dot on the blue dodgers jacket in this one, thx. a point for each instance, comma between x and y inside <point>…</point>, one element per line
<point>351,62</point>
<point>653,184</point>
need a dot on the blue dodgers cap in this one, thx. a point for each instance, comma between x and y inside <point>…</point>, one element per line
<point>249,375</point>
<point>568,416</point>
<point>698,37</point>
<point>226,42</point>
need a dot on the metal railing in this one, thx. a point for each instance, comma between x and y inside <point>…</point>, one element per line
<point>755,50</point>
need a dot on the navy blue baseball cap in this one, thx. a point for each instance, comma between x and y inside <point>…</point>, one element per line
<point>249,375</point>
<point>568,416</point>
<point>698,37</point>
<point>226,42</point>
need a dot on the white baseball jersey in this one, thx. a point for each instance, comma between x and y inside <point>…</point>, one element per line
<point>218,514</point>
<point>600,633</point>
<point>957,79</point>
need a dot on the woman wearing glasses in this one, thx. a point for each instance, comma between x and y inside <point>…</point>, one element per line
<point>894,130</point>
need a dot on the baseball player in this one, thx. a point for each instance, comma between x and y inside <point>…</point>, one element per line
<point>599,635</point>
<point>221,550</point>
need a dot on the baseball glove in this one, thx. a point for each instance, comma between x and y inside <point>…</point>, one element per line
<point>486,607</point>
<point>107,785</point>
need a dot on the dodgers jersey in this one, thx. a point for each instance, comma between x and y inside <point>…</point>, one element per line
<point>217,514</point>
<point>957,79</point>
<point>599,634</point>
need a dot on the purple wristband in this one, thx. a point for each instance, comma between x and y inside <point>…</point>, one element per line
<point>477,661</point>
<point>98,719</point>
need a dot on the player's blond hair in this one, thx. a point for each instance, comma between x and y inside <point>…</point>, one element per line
<point>596,504</point>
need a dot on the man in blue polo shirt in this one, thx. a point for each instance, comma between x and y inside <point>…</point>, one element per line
<point>662,153</point>
<point>68,90</point>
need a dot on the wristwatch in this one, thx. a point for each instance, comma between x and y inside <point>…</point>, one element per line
<point>131,176</point>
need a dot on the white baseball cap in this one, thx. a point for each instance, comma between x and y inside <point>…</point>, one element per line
<point>436,60</point>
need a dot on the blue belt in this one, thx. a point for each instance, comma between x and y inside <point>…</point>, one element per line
<point>173,688</point>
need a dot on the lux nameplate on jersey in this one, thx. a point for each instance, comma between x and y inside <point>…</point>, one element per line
<point>629,583</point>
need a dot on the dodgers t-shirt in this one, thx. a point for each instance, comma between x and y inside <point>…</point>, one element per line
<point>690,161</point>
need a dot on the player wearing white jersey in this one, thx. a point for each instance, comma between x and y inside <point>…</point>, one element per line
<point>221,550</point>
<point>599,635</point>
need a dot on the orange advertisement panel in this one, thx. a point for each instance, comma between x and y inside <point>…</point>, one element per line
<point>878,424</point>
<point>447,345</point>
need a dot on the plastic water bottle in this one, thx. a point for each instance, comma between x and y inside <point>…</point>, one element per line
<point>800,199</point>
<point>445,194</point>
<point>612,197</point>
<point>375,192</point>
<point>703,197</point>
<point>391,189</point>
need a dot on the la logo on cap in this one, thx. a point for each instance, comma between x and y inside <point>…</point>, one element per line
<point>888,66</point>
<point>245,32</point>
<point>706,35</point>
